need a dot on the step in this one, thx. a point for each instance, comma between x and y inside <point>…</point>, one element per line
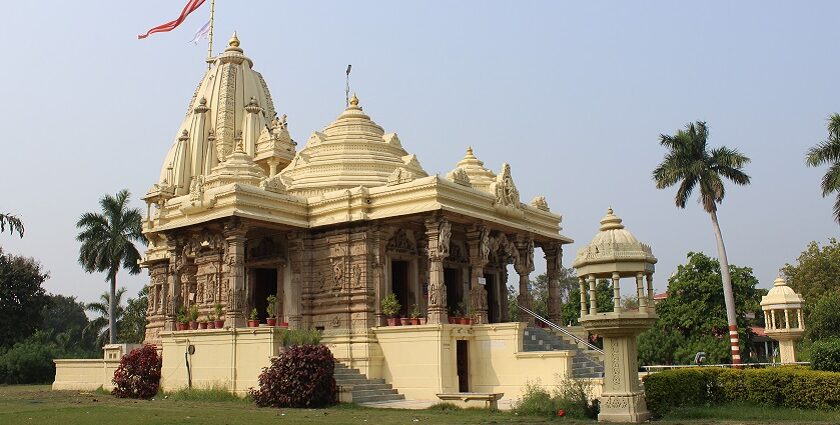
<point>378,398</point>
<point>365,387</point>
<point>370,393</point>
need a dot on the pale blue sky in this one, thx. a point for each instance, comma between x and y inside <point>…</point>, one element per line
<point>572,95</point>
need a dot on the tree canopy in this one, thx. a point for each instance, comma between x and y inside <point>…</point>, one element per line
<point>693,317</point>
<point>816,272</point>
<point>21,297</point>
<point>828,152</point>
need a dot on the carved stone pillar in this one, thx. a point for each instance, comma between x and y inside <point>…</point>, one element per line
<point>294,286</point>
<point>583,295</point>
<point>235,260</point>
<point>553,263</point>
<point>172,300</point>
<point>478,240</point>
<point>524,265</point>
<point>438,232</point>
<point>503,294</point>
<point>379,242</point>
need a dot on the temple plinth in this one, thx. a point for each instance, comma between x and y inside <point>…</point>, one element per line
<point>615,254</point>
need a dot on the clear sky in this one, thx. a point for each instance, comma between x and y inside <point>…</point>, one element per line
<point>572,95</point>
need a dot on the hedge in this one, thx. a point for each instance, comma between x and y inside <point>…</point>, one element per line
<point>825,354</point>
<point>787,386</point>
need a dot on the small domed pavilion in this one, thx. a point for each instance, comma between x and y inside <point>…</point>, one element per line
<point>783,319</point>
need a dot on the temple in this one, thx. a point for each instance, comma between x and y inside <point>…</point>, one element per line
<point>241,216</point>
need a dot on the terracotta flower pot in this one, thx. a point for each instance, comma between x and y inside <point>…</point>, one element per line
<point>464,320</point>
<point>180,326</point>
<point>211,325</point>
<point>415,320</point>
<point>422,320</point>
<point>405,321</point>
<point>392,321</point>
<point>193,325</point>
<point>253,323</point>
<point>271,321</point>
<point>284,324</point>
<point>220,324</point>
<point>202,325</point>
<point>453,320</point>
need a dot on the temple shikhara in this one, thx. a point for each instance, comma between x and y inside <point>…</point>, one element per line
<point>332,226</point>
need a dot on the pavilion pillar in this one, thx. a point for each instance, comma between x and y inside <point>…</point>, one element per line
<point>650,303</point>
<point>438,233</point>
<point>524,265</point>
<point>235,259</point>
<point>593,295</point>
<point>583,292</point>
<point>641,294</point>
<point>478,241</point>
<point>297,250</point>
<point>172,300</point>
<point>553,263</point>
<point>616,279</point>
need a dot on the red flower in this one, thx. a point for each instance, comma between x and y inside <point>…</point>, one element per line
<point>561,413</point>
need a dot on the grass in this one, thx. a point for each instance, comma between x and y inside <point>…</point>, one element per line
<point>38,404</point>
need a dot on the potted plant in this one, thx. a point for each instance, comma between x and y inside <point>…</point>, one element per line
<point>271,310</point>
<point>405,321</point>
<point>182,320</point>
<point>415,315</point>
<point>390,308</point>
<point>253,320</point>
<point>220,321</point>
<point>462,314</point>
<point>202,324</point>
<point>453,315</point>
<point>193,315</point>
<point>211,322</point>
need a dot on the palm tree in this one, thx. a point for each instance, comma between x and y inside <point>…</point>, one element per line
<point>14,223</point>
<point>100,326</point>
<point>690,163</point>
<point>828,152</point>
<point>108,244</point>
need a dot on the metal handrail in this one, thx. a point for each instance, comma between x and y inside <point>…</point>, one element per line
<point>560,328</point>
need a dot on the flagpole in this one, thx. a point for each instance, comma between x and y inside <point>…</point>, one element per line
<point>210,37</point>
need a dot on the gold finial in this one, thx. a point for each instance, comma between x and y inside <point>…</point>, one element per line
<point>609,210</point>
<point>354,101</point>
<point>234,40</point>
<point>469,150</point>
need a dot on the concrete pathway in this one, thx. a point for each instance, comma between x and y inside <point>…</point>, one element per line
<point>504,404</point>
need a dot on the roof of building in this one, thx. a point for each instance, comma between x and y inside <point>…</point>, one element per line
<point>781,295</point>
<point>613,244</point>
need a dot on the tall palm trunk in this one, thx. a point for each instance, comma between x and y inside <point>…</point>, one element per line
<point>728,296</point>
<point>112,311</point>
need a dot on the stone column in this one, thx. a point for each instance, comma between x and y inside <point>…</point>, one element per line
<point>172,300</point>
<point>235,258</point>
<point>524,265</point>
<point>583,292</point>
<point>503,294</point>
<point>438,232</point>
<point>294,285</point>
<point>593,295</point>
<point>650,291</point>
<point>478,241</point>
<point>553,263</point>
<point>616,279</point>
<point>641,295</point>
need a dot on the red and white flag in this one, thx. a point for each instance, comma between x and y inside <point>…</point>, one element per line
<point>191,6</point>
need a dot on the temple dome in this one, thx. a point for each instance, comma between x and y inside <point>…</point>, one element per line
<point>479,177</point>
<point>352,151</point>
<point>781,294</point>
<point>613,243</point>
<point>231,105</point>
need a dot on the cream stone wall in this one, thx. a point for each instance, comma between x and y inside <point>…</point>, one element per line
<point>421,361</point>
<point>84,374</point>
<point>229,358</point>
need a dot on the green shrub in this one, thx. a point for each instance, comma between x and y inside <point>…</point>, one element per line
<point>302,376</point>
<point>571,396</point>
<point>535,401</point>
<point>825,354</point>
<point>443,407</point>
<point>792,387</point>
<point>28,362</point>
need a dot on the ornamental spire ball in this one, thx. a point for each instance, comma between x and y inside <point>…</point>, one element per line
<point>354,101</point>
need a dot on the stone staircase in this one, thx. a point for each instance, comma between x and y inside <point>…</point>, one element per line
<point>584,363</point>
<point>364,390</point>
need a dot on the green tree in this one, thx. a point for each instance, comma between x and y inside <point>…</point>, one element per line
<point>824,320</point>
<point>132,327</point>
<point>100,326</point>
<point>691,164</point>
<point>693,317</point>
<point>816,272</point>
<point>828,152</point>
<point>63,322</point>
<point>21,297</point>
<point>15,224</point>
<point>108,239</point>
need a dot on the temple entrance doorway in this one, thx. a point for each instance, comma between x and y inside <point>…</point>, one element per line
<point>492,298</point>
<point>454,288</point>
<point>462,366</point>
<point>265,284</point>
<point>399,285</point>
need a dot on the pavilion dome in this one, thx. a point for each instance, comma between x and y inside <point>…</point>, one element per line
<point>781,294</point>
<point>613,243</point>
<point>479,176</point>
<point>231,106</point>
<point>352,151</point>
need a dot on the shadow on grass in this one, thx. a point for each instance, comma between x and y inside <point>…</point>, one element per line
<point>750,412</point>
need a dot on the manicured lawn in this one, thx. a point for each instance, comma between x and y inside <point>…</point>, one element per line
<point>40,405</point>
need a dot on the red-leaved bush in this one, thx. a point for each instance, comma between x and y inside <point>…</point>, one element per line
<point>138,375</point>
<point>301,377</point>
